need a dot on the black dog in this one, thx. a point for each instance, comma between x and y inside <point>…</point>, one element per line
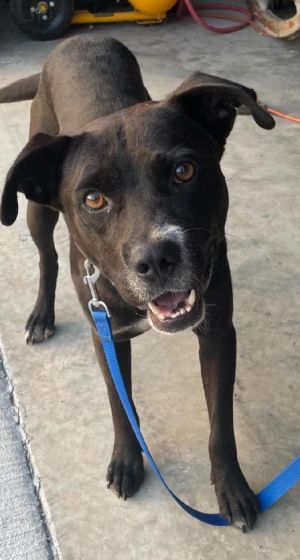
<point>140,187</point>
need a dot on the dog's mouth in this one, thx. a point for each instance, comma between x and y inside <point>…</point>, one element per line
<point>175,311</point>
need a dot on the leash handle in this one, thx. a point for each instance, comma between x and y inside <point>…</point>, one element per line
<point>281,484</point>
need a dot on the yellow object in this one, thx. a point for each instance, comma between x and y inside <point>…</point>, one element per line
<point>151,11</point>
<point>153,7</point>
<point>42,7</point>
<point>83,16</point>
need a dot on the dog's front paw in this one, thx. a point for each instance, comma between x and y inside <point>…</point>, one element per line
<point>39,325</point>
<point>236,500</point>
<point>125,473</point>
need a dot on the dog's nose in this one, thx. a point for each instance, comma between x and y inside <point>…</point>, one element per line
<point>156,260</point>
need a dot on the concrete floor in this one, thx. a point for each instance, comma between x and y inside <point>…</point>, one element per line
<point>23,532</point>
<point>58,384</point>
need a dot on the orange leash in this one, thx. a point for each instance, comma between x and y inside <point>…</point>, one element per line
<point>291,118</point>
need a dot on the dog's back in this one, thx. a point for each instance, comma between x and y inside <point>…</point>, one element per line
<point>88,78</point>
<point>82,79</point>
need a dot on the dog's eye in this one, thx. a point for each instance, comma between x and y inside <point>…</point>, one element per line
<point>184,172</point>
<point>95,201</point>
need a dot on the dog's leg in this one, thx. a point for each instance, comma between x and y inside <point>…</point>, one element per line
<point>237,503</point>
<point>126,470</point>
<point>41,222</point>
<point>217,341</point>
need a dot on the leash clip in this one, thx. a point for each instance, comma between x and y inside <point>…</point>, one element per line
<point>90,280</point>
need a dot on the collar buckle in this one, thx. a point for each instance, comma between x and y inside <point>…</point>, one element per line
<point>90,279</point>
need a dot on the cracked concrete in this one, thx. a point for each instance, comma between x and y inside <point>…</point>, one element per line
<point>25,528</point>
<point>58,385</point>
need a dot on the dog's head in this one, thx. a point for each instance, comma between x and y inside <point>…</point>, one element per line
<point>143,193</point>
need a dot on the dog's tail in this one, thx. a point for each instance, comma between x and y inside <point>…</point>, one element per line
<point>23,89</point>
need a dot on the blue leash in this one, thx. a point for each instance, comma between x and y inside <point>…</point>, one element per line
<point>281,484</point>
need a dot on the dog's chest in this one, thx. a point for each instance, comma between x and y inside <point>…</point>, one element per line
<point>131,330</point>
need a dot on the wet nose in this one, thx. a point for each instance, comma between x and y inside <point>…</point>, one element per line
<point>156,260</point>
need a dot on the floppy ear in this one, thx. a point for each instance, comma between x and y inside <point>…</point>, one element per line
<point>212,102</point>
<point>36,173</point>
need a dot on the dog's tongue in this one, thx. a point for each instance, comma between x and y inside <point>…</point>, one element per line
<point>171,300</point>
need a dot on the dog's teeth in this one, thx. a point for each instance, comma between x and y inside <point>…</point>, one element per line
<point>190,300</point>
<point>160,316</point>
<point>154,308</point>
<point>188,304</point>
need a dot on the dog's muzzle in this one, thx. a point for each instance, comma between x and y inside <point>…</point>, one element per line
<point>173,311</point>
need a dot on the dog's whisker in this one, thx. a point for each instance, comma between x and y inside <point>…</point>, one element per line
<point>140,315</point>
<point>204,325</point>
<point>196,229</point>
<point>215,237</point>
<point>212,305</point>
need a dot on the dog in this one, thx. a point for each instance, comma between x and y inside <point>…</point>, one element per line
<point>141,190</point>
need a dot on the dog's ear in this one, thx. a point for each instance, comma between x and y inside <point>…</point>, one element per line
<point>212,102</point>
<point>36,173</point>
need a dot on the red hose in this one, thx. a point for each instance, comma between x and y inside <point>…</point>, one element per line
<point>194,12</point>
<point>186,5</point>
